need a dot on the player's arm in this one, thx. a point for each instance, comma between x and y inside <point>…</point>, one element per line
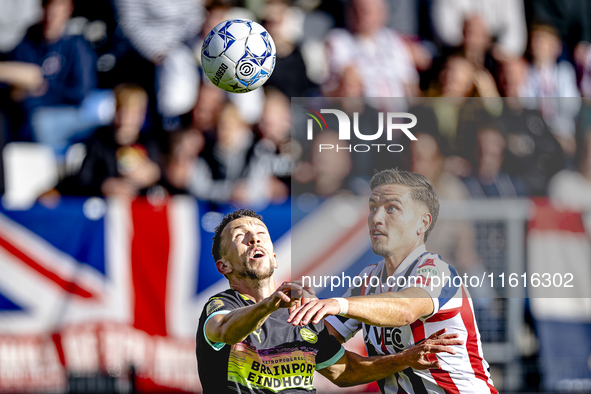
<point>395,309</point>
<point>353,369</point>
<point>235,326</point>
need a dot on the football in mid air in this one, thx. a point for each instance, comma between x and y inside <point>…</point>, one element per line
<point>238,55</point>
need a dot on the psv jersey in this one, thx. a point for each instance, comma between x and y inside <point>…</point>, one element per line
<point>466,371</point>
<point>277,357</point>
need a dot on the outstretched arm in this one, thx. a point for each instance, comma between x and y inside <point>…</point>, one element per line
<point>395,309</point>
<point>235,326</point>
<point>353,369</point>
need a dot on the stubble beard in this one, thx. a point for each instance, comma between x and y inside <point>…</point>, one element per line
<point>252,274</point>
<point>381,250</point>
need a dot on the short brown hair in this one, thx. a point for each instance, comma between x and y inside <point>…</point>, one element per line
<point>130,95</point>
<point>421,189</point>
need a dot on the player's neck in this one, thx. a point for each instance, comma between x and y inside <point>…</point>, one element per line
<point>394,260</point>
<point>255,289</point>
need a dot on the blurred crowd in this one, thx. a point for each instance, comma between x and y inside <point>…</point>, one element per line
<point>114,88</point>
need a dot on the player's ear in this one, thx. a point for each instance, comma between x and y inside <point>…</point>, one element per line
<point>424,223</point>
<point>275,265</point>
<point>223,266</point>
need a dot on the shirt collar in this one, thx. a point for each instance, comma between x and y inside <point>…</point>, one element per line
<point>415,254</point>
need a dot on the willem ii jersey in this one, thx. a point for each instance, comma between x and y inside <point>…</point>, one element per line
<point>464,372</point>
<point>277,357</point>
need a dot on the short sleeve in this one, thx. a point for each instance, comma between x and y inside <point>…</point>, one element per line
<point>220,304</point>
<point>330,350</point>
<point>345,326</point>
<point>437,279</point>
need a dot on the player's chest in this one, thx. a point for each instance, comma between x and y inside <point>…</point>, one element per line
<point>276,332</point>
<point>388,340</point>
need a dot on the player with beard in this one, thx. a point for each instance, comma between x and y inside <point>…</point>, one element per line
<point>244,343</point>
<point>405,304</point>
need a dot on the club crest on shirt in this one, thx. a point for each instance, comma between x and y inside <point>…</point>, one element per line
<point>213,306</point>
<point>308,335</point>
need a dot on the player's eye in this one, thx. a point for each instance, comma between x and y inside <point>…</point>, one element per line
<point>372,209</point>
<point>391,208</point>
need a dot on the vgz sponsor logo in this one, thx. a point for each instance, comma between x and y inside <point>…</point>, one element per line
<point>345,130</point>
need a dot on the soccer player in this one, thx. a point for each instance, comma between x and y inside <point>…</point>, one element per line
<point>403,208</point>
<point>244,343</point>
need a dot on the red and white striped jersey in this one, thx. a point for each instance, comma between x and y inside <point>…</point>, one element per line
<point>463,372</point>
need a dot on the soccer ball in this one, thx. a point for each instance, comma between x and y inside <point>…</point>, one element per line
<point>238,55</point>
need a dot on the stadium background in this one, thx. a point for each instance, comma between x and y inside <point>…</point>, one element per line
<point>105,231</point>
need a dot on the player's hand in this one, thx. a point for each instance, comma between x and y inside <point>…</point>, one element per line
<point>422,356</point>
<point>288,295</point>
<point>314,311</point>
<point>308,294</point>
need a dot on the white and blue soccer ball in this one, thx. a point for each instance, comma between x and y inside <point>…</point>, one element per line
<point>238,55</point>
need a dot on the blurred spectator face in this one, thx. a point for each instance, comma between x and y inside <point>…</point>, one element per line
<point>476,34</point>
<point>350,85</point>
<point>276,120</point>
<point>426,158</point>
<point>367,17</point>
<point>545,45</point>
<point>457,78</point>
<point>274,16</point>
<point>585,163</point>
<point>491,146</point>
<point>330,165</point>
<point>210,101</point>
<point>56,16</point>
<point>512,75</point>
<point>231,129</point>
<point>215,16</point>
<point>132,103</point>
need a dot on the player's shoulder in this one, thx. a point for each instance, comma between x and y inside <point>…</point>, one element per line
<point>222,300</point>
<point>433,264</point>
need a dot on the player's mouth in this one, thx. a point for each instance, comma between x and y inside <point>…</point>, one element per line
<point>257,253</point>
<point>376,234</point>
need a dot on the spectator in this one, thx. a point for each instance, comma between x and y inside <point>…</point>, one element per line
<point>273,148</point>
<point>489,178</point>
<point>572,189</point>
<point>504,19</point>
<point>550,79</point>
<point>458,115</point>
<point>570,17</point>
<point>227,170</point>
<point>55,108</point>
<point>582,59</point>
<point>208,107</point>
<point>158,31</point>
<point>290,75</point>
<point>185,147</point>
<point>16,16</point>
<point>328,171</point>
<point>118,162</point>
<point>477,41</point>
<point>533,154</point>
<point>378,53</point>
<point>348,98</point>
